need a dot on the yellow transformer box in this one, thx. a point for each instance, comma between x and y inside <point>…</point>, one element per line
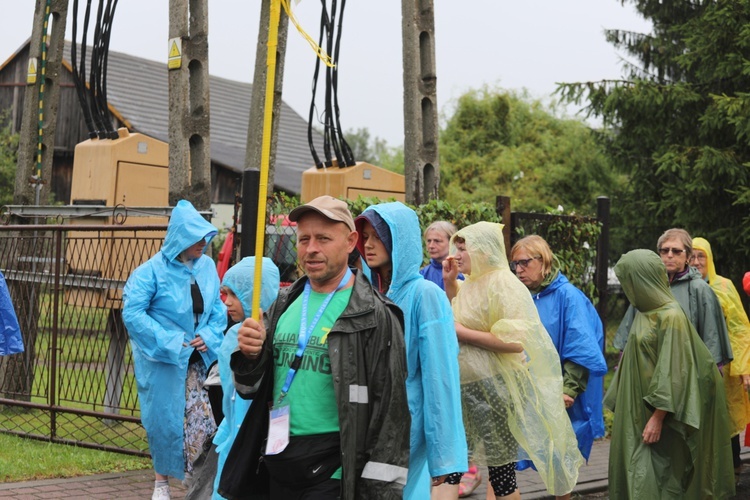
<point>131,171</point>
<point>350,182</point>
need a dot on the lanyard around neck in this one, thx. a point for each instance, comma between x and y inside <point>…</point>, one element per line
<point>305,331</point>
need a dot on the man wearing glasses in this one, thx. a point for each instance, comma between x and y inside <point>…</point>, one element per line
<point>675,248</point>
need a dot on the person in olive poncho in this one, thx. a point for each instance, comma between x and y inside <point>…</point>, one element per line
<point>670,437</point>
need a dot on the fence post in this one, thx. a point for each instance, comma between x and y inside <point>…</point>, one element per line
<point>602,257</point>
<point>250,192</point>
<point>502,206</point>
<point>115,363</point>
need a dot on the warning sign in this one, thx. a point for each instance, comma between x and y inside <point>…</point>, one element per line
<point>174,61</point>
<point>31,74</point>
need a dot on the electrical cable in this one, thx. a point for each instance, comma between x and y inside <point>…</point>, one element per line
<point>80,85</point>
<point>334,142</point>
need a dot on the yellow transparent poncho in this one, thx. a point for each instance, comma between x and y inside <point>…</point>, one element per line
<point>513,407</point>
<point>739,336</point>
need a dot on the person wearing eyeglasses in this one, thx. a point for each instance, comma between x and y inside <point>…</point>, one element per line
<point>576,331</point>
<point>675,248</point>
<point>736,373</point>
<point>511,379</point>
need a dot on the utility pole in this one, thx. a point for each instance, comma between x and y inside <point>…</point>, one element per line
<point>421,163</point>
<point>38,123</point>
<point>257,98</point>
<point>189,116</point>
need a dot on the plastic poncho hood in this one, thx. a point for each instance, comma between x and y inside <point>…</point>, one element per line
<point>240,278</point>
<point>437,437</point>
<point>185,229</point>
<point>644,280</point>
<point>520,392</point>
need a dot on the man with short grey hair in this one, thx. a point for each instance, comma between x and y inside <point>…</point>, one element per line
<point>326,370</point>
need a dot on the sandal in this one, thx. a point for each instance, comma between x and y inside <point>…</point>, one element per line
<point>469,482</point>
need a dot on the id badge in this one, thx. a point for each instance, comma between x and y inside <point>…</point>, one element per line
<point>278,430</point>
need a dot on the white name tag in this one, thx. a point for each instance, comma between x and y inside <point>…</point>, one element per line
<point>278,430</point>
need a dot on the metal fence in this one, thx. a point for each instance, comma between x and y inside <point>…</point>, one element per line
<point>74,383</point>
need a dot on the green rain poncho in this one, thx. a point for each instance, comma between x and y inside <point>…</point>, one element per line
<point>666,366</point>
<point>520,393</point>
<point>739,336</point>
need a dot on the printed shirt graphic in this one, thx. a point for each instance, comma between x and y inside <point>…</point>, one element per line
<point>311,397</point>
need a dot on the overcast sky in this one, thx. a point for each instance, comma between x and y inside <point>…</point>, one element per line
<point>527,44</point>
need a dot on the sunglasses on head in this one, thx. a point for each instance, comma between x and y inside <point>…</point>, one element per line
<point>674,251</point>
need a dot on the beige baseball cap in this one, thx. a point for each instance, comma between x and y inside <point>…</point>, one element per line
<point>327,206</point>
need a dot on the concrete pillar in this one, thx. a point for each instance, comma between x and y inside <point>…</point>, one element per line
<point>257,99</point>
<point>189,117</point>
<point>48,85</point>
<point>421,166</point>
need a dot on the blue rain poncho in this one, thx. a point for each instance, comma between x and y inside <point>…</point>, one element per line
<point>10,333</point>
<point>158,314</point>
<point>577,333</point>
<point>520,393</point>
<point>239,278</point>
<point>437,439</point>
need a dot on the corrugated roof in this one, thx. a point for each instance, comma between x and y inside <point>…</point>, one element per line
<point>139,91</point>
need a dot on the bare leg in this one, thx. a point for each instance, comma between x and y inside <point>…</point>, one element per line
<point>444,492</point>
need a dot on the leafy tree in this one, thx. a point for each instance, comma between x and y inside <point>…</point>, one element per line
<point>8,160</point>
<point>375,150</point>
<point>499,142</point>
<point>679,126</point>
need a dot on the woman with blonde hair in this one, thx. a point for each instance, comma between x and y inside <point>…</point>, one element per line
<point>576,332</point>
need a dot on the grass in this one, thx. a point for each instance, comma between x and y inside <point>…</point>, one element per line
<point>26,459</point>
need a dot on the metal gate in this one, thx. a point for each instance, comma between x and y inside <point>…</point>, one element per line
<point>74,383</point>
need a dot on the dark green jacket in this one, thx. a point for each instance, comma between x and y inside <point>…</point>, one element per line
<point>368,366</point>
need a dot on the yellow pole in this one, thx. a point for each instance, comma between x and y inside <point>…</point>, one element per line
<point>265,158</point>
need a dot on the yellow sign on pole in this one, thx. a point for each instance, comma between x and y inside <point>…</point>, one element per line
<point>31,74</point>
<point>174,60</point>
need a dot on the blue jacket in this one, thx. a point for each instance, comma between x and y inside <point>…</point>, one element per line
<point>438,439</point>
<point>10,333</point>
<point>239,278</point>
<point>158,314</point>
<point>434,272</point>
<point>576,331</point>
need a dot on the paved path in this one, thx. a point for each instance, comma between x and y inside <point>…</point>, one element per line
<point>140,484</point>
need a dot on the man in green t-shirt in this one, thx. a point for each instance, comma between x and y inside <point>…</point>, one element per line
<point>328,368</point>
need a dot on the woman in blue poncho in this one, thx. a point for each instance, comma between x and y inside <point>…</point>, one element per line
<point>175,319</point>
<point>390,242</point>
<point>576,331</point>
